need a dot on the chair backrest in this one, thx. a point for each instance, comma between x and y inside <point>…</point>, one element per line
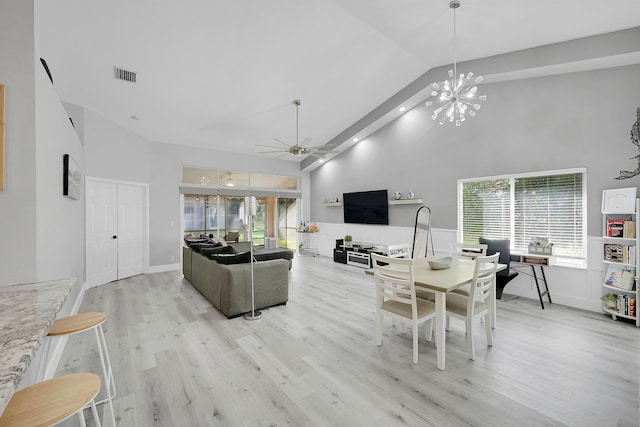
<point>233,236</point>
<point>499,245</point>
<point>394,280</point>
<point>468,250</point>
<point>484,277</point>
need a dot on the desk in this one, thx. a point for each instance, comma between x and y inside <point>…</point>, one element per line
<point>540,261</point>
<point>26,314</point>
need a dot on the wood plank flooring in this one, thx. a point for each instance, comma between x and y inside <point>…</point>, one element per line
<point>314,362</point>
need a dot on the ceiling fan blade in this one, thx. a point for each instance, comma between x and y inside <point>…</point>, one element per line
<point>276,151</point>
<point>305,141</point>
<point>268,146</point>
<point>281,142</point>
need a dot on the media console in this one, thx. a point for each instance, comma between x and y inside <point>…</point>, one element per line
<point>359,254</point>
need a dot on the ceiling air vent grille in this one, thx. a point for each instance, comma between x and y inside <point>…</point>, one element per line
<point>122,74</point>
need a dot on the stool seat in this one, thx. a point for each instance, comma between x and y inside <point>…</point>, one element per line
<point>50,401</point>
<point>77,323</point>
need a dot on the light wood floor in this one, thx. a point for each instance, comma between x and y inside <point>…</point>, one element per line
<point>314,362</point>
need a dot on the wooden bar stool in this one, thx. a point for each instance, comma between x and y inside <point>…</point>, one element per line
<point>49,402</point>
<point>83,322</point>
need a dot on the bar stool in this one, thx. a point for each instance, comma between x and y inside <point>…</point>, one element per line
<point>83,322</point>
<point>49,402</point>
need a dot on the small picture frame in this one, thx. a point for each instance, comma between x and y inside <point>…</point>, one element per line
<point>619,200</point>
<point>72,178</point>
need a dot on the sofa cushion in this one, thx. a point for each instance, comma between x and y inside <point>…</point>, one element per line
<point>199,246</point>
<point>218,250</point>
<point>241,258</point>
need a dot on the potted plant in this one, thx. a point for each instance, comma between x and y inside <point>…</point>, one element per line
<point>347,240</point>
<point>300,247</point>
<point>610,300</point>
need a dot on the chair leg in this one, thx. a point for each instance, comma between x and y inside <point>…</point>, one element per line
<point>428,331</point>
<point>470,343</point>
<point>487,327</point>
<point>94,410</point>
<point>415,343</point>
<point>379,327</point>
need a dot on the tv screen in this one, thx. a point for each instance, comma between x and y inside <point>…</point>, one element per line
<point>366,207</point>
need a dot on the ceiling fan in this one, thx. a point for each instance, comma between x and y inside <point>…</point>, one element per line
<point>301,148</point>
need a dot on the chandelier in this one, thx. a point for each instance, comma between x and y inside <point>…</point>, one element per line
<point>457,96</point>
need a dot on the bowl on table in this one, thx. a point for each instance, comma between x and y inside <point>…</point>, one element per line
<point>440,263</point>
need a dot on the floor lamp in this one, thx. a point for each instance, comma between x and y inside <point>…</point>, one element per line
<point>250,204</point>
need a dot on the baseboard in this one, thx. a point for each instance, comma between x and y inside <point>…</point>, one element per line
<point>163,268</point>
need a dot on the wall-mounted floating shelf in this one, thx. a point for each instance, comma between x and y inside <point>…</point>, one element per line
<point>406,202</point>
<point>331,203</point>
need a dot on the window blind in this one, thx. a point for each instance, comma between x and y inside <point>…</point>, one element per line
<point>521,208</point>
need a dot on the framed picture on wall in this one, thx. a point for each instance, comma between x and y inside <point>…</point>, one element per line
<point>619,200</point>
<point>72,178</point>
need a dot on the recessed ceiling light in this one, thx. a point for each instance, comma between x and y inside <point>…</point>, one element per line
<point>355,139</point>
<point>402,109</point>
<point>321,160</point>
<point>134,117</point>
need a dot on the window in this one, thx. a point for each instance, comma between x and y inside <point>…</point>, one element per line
<point>522,207</point>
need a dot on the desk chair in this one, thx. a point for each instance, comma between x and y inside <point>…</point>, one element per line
<point>396,297</point>
<point>505,276</point>
<point>476,304</point>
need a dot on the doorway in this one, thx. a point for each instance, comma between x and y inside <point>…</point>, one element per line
<point>116,236</point>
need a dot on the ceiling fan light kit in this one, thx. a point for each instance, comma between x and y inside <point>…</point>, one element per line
<point>458,95</point>
<point>300,148</point>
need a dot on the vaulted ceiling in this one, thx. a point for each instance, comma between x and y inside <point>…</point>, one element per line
<point>224,74</point>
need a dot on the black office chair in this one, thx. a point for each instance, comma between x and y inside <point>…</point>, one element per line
<point>505,276</point>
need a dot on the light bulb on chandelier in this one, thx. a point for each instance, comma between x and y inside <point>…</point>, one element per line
<point>458,96</point>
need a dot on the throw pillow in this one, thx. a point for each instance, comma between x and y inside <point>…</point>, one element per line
<point>227,259</point>
<point>218,250</point>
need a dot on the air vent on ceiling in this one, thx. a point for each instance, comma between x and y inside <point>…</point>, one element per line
<point>122,74</point>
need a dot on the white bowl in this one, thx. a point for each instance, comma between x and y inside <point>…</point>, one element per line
<point>440,263</point>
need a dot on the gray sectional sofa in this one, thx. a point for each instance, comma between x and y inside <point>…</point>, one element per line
<point>228,287</point>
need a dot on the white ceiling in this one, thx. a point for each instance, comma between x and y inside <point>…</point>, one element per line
<point>223,74</point>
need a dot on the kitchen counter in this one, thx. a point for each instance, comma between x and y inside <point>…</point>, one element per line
<point>27,311</point>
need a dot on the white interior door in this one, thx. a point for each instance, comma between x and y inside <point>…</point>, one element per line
<point>130,230</point>
<point>116,223</point>
<point>102,231</point>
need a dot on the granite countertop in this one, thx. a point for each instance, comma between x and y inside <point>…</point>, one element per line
<point>26,314</point>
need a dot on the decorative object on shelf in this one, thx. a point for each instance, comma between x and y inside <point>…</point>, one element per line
<point>635,140</point>
<point>299,148</point>
<point>610,300</point>
<point>347,240</point>
<point>410,195</point>
<point>540,245</point>
<point>456,96</point>
<point>308,227</point>
<point>397,195</point>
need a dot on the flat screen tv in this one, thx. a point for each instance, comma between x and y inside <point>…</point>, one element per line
<point>366,207</point>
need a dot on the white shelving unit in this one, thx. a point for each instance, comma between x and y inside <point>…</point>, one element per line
<point>406,202</point>
<point>331,204</point>
<point>628,263</point>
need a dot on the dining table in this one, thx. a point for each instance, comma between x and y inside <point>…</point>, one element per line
<point>441,282</point>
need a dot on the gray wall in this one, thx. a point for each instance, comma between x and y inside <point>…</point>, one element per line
<point>42,231</point>
<point>563,121</point>
<point>112,152</point>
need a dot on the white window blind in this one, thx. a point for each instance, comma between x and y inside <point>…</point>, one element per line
<point>524,207</point>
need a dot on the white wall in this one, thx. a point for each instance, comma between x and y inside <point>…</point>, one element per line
<point>18,199</point>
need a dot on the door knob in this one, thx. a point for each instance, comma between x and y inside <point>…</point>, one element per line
<point>114,237</point>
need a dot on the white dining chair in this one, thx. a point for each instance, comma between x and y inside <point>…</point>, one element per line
<point>467,251</point>
<point>477,303</point>
<point>396,297</point>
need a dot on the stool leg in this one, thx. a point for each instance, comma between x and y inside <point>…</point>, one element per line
<point>94,410</point>
<point>83,422</point>
<point>106,370</point>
